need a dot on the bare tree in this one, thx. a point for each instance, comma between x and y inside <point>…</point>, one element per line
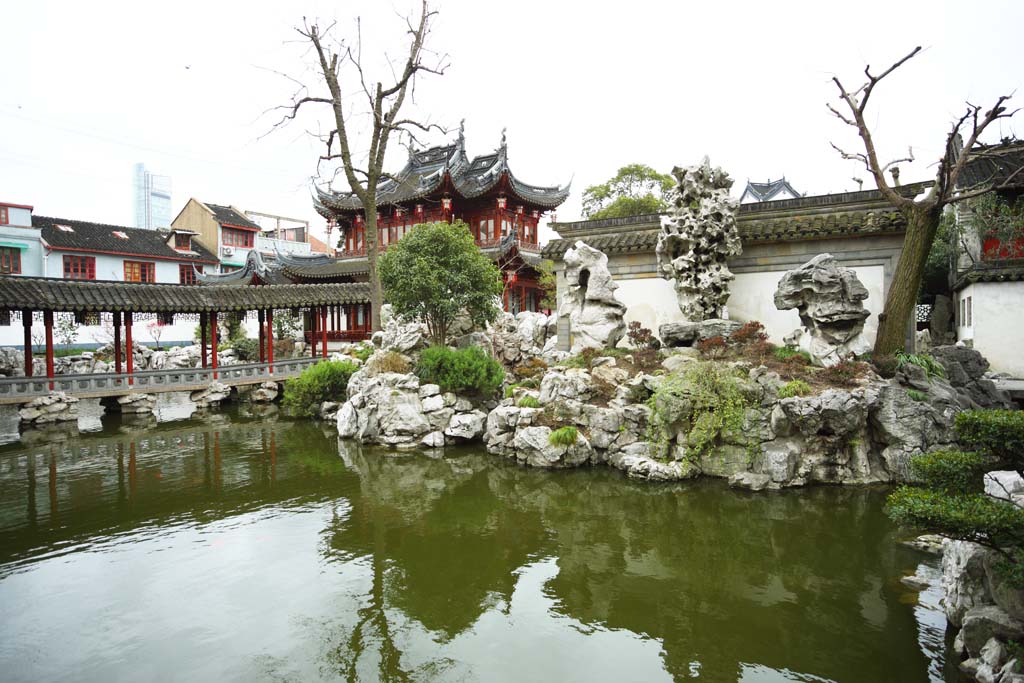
<point>922,215</point>
<point>335,61</point>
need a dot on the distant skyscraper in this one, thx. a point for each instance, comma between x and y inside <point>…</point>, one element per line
<point>152,199</point>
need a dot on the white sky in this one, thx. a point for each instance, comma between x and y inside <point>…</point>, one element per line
<point>89,89</point>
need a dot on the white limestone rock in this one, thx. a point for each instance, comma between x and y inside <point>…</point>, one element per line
<point>400,336</point>
<point>213,394</point>
<point>830,301</point>
<point>267,392</point>
<point>595,313</point>
<point>466,426</point>
<point>698,238</point>
<point>56,406</point>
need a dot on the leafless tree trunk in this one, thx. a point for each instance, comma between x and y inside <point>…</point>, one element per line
<point>384,104</point>
<point>922,215</point>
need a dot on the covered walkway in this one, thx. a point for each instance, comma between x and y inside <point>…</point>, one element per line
<point>124,304</point>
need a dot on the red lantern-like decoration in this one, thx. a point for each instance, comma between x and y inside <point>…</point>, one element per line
<point>502,202</point>
<point>446,203</point>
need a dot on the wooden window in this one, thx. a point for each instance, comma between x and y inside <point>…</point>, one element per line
<point>186,274</point>
<point>970,317</point>
<point>4,219</point>
<point>139,271</point>
<point>10,260</point>
<point>183,242</point>
<point>79,267</point>
<point>233,237</point>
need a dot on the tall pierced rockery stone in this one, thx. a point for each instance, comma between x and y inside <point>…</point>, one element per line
<point>830,301</point>
<point>698,238</point>
<point>595,314</point>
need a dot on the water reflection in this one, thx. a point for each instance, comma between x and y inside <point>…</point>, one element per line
<point>376,566</point>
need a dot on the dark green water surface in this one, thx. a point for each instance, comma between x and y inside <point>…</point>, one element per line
<point>245,549</point>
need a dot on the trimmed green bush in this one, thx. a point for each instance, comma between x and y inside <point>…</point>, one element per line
<point>528,402</point>
<point>325,381</point>
<point>464,371</point>
<point>951,471</point>
<point>999,433</point>
<point>563,436</point>
<point>969,517</point>
<point>796,387</point>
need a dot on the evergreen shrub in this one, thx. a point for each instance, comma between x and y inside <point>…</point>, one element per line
<point>325,381</point>
<point>463,371</point>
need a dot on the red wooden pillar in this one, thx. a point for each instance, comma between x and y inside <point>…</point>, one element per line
<point>323,330</point>
<point>48,323</point>
<point>202,338</point>
<point>213,341</point>
<point>259,320</point>
<point>26,321</point>
<point>117,342</point>
<point>313,315</point>
<point>270,339</point>
<point>128,352</point>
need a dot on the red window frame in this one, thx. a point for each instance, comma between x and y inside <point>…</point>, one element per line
<point>186,275</point>
<point>10,260</point>
<point>233,237</point>
<point>139,271</point>
<point>79,267</point>
<point>4,215</point>
<point>183,242</point>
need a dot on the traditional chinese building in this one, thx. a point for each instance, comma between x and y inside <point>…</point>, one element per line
<point>444,184</point>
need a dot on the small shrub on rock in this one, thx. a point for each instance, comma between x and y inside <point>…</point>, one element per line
<point>843,374</point>
<point>641,337</point>
<point>325,381</point>
<point>362,352</point>
<point>794,356</point>
<point>464,371</point>
<point>713,347</point>
<point>917,395</point>
<point>751,333</point>
<point>390,361</point>
<point>931,366</point>
<point>564,436</point>
<point>247,349</point>
<point>796,387</point>
<point>528,402</point>
<point>535,367</point>
<point>584,359</point>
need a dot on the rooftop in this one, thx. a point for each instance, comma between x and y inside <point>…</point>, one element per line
<point>231,216</point>
<point>66,234</point>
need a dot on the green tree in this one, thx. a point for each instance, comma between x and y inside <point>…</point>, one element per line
<point>548,282</point>
<point>635,189</point>
<point>436,273</point>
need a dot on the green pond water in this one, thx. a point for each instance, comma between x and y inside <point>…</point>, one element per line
<point>244,548</point>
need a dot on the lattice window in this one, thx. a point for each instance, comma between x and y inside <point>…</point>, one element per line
<point>139,271</point>
<point>79,267</point>
<point>10,260</point>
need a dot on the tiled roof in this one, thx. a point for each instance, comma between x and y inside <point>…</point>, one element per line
<point>610,244</point>
<point>426,172</point>
<point>996,164</point>
<point>101,238</point>
<point>285,269</point>
<point>225,214</point>
<point>1008,270</point>
<point>765,192</point>
<point>49,294</point>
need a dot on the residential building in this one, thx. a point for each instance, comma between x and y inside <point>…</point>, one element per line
<point>443,184</point>
<point>21,248</point>
<point>230,233</point>
<point>152,195</point>
<point>988,289</point>
<point>773,190</point>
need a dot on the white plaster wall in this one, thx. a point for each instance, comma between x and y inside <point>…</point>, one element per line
<point>16,216</point>
<point>998,326</point>
<point>650,300</point>
<point>752,297</point>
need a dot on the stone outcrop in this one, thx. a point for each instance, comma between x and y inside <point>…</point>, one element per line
<point>830,301</point>
<point>595,313</point>
<point>56,406</point>
<point>514,339</point>
<point>393,409</point>
<point>267,392</point>
<point>966,371</point>
<point>689,333</point>
<point>398,336</point>
<point>988,611</point>
<point>211,395</point>
<point>698,238</point>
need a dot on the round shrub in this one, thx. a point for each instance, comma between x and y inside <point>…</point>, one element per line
<point>463,371</point>
<point>325,381</point>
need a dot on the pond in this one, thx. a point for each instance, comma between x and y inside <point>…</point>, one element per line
<point>246,547</point>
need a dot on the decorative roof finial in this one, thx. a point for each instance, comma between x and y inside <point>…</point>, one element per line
<point>503,137</point>
<point>462,132</point>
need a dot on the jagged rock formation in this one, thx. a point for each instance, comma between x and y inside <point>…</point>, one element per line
<point>595,314</point>
<point>514,339</point>
<point>698,238</point>
<point>130,404</point>
<point>688,334</point>
<point>211,395</point>
<point>398,336</point>
<point>267,392</point>
<point>830,301</point>
<point>56,406</point>
<point>965,370</point>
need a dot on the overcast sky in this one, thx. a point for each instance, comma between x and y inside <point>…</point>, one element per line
<point>89,89</point>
